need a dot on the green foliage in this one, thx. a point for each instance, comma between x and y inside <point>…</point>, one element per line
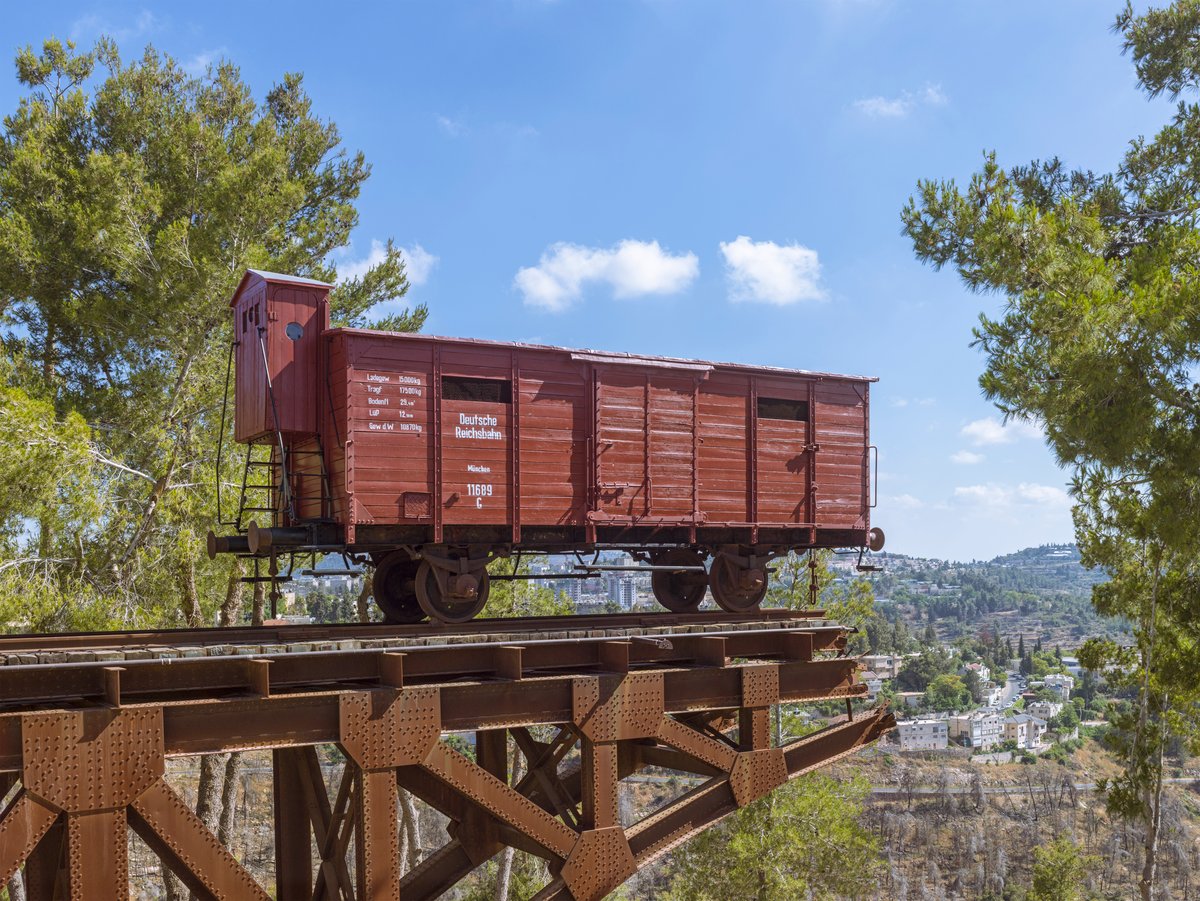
<point>1099,341</point>
<point>918,672</point>
<point>332,608</point>
<point>948,692</point>
<point>132,197</point>
<point>1066,720</point>
<point>974,686</point>
<point>1059,869</point>
<point>847,601</point>
<point>46,470</point>
<point>793,843</point>
<point>522,597</point>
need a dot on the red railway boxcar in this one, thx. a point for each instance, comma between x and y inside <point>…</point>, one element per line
<point>435,455</point>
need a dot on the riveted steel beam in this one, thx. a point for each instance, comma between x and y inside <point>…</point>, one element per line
<point>89,749</point>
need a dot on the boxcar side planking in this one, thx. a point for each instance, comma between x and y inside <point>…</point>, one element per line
<point>436,455</point>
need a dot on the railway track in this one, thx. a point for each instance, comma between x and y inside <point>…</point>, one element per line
<point>152,672</point>
<point>23,649</point>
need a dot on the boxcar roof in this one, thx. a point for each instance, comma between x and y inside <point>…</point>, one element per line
<point>601,356</point>
<point>276,277</point>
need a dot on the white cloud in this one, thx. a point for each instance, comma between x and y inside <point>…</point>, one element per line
<point>990,430</point>
<point>1043,495</point>
<point>884,108</point>
<point>631,269</point>
<point>91,26</point>
<point>919,401</point>
<point>933,95</point>
<point>903,104</point>
<point>451,126</point>
<point>199,63</point>
<point>773,273</point>
<point>418,263</point>
<point>966,457</point>
<point>905,501</point>
<point>1026,494</point>
<point>899,401</point>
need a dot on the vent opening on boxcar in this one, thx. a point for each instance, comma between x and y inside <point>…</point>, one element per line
<point>779,408</point>
<point>490,391</point>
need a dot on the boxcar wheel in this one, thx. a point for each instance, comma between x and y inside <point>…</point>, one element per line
<point>449,608</point>
<point>394,587</point>
<point>681,591</point>
<point>736,589</point>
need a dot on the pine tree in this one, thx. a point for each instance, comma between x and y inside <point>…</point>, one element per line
<point>133,197</point>
<point>1097,342</point>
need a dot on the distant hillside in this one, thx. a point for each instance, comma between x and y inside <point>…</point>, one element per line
<point>1050,567</point>
<point>1041,591</point>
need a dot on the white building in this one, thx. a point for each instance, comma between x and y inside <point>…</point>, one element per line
<point>1037,730</point>
<point>984,673</point>
<point>1025,730</point>
<point>886,665</point>
<point>923,735</point>
<point>1046,710</point>
<point>977,729</point>
<point>992,693</point>
<point>1061,685</point>
<point>873,682</point>
<point>1072,666</point>
<point>626,593</point>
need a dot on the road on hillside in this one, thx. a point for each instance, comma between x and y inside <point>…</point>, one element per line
<point>890,792</point>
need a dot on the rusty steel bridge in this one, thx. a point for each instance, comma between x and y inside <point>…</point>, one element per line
<point>88,722</point>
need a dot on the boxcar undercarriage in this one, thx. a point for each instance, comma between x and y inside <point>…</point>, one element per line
<point>449,582</point>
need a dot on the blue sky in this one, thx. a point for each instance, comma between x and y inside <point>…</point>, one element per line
<point>719,180</point>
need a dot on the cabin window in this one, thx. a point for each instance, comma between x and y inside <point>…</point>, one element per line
<point>489,391</point>
<point>778,408</point>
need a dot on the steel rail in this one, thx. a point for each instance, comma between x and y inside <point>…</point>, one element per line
<point>326,632</point>
<point>55,684</point>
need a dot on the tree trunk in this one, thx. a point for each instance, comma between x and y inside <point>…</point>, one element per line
<point>1152,794</point>
<point>176,890</point>
<point>231,610</point>
<point>233,775</point>
<point>1153,806</point>
<point>16,888</point>
<point>505,868</point>
<point>364,611</point>
<point>412,831</point>
<point>208,791</point>
<point>189,598</point>
<point>260,594</point>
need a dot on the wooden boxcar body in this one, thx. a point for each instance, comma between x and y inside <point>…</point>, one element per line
<point>410,447</point>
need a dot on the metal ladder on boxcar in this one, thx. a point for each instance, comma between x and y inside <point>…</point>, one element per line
<point>277,495</point>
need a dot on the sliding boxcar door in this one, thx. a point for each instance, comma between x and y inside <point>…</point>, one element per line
<point>840,418</point>
<point>621,426</point>
<point>671,485</point>
<point>783,455</point>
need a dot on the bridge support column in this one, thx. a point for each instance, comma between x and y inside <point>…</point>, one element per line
<point>293,824</point>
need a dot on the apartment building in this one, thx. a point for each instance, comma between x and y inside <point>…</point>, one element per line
<point>1046,710</point>
<point>1027,731</point>
<point>930,734</point>
<point>1060,684</point>
<point>978,729</point>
